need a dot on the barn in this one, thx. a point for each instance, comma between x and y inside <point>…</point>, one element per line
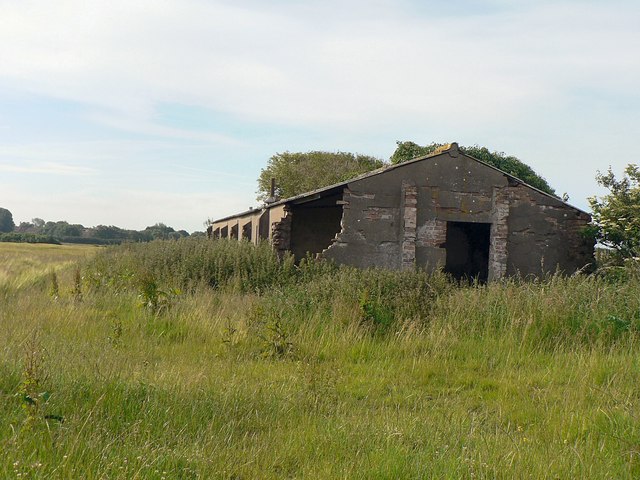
<point>446,210</point>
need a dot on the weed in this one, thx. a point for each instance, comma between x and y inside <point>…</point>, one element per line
<point>151,296</point>
<point>76,292</point>
<point>54,289</point>
<point>276,340</point>
<point>116,334</point>
<point>31,393</point>
<point>229,333</point>
<point>374,313</point>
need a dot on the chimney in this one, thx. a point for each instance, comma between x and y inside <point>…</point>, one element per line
<point>272,193</point>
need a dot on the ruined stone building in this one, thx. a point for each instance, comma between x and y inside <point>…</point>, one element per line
<point>446,210</point>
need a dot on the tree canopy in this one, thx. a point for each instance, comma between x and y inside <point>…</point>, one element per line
<point>616,216</point>
<point>6,221</point>
<point>507,163</point>
<point>298,172</point>
<point>100,234</point>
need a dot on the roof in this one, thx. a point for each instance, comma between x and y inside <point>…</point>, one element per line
<point>451,148</point>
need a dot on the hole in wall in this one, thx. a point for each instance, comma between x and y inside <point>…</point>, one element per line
<point>467,248</point>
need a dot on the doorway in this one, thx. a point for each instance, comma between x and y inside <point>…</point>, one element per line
<point>467,248</point>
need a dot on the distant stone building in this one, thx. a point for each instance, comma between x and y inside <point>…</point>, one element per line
<point>446,210</point>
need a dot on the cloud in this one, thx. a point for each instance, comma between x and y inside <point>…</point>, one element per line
<point>47,168</point>
<point>146,127</point>
<point>553,82</point>
<point>315,66</point>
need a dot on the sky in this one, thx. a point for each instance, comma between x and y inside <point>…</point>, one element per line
<point>133,113</point>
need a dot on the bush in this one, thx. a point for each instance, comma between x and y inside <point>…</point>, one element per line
<point>27,238</point>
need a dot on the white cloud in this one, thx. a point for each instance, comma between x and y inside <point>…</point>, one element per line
<point>47,168</point>
<point>315,65</point>
<point>516,76</point>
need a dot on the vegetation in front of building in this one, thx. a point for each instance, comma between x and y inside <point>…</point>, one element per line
<point>217,359</point>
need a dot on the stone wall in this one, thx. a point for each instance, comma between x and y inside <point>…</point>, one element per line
<point>281,233</point>
<point>398,219</point>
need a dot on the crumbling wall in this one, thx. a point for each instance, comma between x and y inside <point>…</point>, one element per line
<point>545,235</point>
<point>369,230</point>
<point>315,224</point>
<point>281,232</point>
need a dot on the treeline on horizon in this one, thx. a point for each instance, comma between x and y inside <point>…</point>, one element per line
<point>41,231</point>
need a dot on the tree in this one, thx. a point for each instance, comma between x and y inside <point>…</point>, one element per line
<point>62,229</point>
<point>6,221</point>
<point>406,151</point>
<point>108,232</point>
<point>507,163</point>
<point>38,222</point>
<point>616,216</point>
<point>296,173</point>
<point>159,231</point>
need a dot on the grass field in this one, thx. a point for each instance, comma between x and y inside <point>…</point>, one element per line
<point>22,263</point>
<point>194,360</point>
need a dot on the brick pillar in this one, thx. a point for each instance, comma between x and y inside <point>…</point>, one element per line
<point>281,234</point>
<point>499,234</point>
<point>409,215</point>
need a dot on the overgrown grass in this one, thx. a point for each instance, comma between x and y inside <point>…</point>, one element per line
<point>23,264</point>
<point>256,368</point>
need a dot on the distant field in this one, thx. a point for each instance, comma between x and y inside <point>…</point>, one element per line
<point>200,359</point>
<point>23,263</point>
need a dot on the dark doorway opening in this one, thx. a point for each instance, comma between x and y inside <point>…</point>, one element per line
<point>314,225</point>
<point>263,226</point>
<point>468,250</point>
<point>246,231</point>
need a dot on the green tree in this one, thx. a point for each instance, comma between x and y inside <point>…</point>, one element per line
<point>6,221</point>
<point>616,216</point>
<point>507,163</point>
<point>296,173</point>
<point>406,151</point>
<point>62,228</point>
<point>160,231</point>
<point>108,232</point>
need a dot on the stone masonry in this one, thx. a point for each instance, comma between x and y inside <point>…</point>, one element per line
<point>410,213</point>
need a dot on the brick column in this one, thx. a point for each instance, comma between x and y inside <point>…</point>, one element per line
<point>409,215</point>
<point>499,234</point>
<point>281,234</point>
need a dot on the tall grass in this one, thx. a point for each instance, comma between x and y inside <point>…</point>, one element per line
<point>315,371</point>
<point>23,264</point>
<point>192,262</point>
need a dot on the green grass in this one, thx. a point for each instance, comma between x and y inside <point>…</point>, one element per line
<point>21,264</point>
<point>316,372</point>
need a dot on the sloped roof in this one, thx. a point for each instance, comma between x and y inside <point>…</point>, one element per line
<point>452,148</point>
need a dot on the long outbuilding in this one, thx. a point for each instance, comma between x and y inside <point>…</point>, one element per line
<point>446,210</point>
